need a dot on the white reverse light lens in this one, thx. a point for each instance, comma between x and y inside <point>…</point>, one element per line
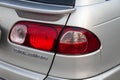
<point>73,37</point>
<point>18,34</point>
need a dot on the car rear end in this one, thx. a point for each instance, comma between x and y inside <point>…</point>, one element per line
<point>59,39</point>
<point>29,62</point>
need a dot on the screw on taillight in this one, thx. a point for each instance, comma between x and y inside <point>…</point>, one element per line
<point>77,41</point>
<point>71,40</point>
<point>35,35</point>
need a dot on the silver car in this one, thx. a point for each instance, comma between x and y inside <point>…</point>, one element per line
<point>59,39</point>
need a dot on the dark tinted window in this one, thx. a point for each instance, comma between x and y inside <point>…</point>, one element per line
<point>58,2</point>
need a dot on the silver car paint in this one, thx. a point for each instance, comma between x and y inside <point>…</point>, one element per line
<point>102,19</point>
<point>11,52</point>
<point>88,2</point>
<point>7,70</point>
<point>112,74</point>
<point>37,7</point>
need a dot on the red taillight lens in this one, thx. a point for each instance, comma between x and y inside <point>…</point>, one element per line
<point>75,41</point>
<point>42,37</point>
<point>35,35</point>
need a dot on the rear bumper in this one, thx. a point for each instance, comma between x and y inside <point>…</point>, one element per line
<point>112,74</point>
<point>10,72</point>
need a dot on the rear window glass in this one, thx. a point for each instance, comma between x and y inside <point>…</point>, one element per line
<point>57,2</point>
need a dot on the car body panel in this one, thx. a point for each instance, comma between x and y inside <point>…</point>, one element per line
<point>91,18</point>
<point>111,74</point>
<point>76,67</point>
<point>93,15</point>
<point>88,2</point>
<point>7,70</point>
<point>38,8</point>
<point>98,16</point>
<point>20,55</point>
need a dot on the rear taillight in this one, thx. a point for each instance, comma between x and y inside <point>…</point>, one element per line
<point>35,35</point>
<point>73,41</point>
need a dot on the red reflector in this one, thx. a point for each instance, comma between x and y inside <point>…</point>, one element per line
<point>76,41</point>
<point>39,36</point>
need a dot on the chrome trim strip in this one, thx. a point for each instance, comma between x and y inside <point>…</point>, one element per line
<point>37,7</point>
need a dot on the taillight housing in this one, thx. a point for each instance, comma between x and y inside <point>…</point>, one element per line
<point>71,40</point>
<point>75,41</point>
<point>35,35</point>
